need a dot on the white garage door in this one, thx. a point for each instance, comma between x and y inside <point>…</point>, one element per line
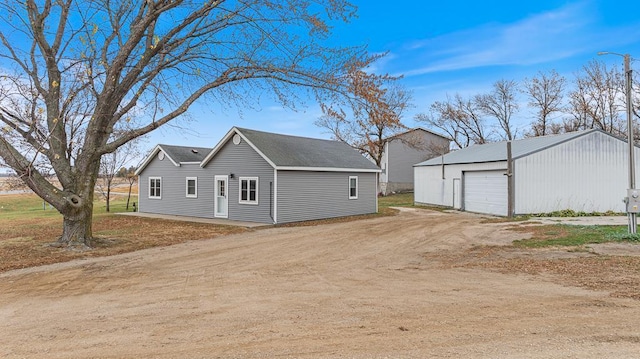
<point>486,192</point>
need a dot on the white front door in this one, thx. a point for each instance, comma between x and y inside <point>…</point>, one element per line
<point>221,195</point>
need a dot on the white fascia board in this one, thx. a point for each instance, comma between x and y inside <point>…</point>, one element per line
<point>328,169</point>
<point>225,139</point>
<point>215,150</point>
<point>257,150</point>
<point>151,156</point>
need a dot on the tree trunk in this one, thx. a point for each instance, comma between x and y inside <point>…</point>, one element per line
<point>108,194</point>
<point>76,227</point>
<point>129,195</point>
<point>77,221</point>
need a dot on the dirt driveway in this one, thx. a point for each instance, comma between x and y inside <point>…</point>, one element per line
<point>373,288</point>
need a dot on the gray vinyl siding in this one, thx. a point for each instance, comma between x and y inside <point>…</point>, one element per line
<point>306,195</point>
<point>243,161</point>
<point>402,157</point>
<point>173,190</point>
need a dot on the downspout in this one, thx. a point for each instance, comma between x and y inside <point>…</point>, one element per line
<point>139,178</point>
<point>376,185</point>
<point>275,196</point>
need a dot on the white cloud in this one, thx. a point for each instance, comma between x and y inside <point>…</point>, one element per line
<point>540,38</point>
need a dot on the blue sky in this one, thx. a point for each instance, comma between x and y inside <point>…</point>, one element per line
<point>445,48</point>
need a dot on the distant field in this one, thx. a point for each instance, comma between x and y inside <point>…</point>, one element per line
<point>119,185</point>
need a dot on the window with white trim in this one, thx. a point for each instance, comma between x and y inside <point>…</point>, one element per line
<point>248,190</point>
<point>192,187</point>
<point>155,186</point>
<point>353,187</point>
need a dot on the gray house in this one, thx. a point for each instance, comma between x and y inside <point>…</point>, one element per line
<point>259,177</point>
<point>404,150</point>
<point>583,171</point>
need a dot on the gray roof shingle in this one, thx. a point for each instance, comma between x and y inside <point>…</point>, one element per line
<point>181,154</point>
<point>293,151</point>
<point>497,151</point>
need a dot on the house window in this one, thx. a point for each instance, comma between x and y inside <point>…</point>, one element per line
<point>192,187</point>
<point>353,187</point>
<point>155,185</point>
<point>249,190</point>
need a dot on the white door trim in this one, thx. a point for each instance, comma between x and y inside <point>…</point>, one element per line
<point>221,201</point>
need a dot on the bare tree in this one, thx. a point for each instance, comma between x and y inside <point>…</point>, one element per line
<point>110,165</point>
<point>77,70</point>
<point>370,115</point>
<point>500,104</point>
<point>597,99</point>
<point>459,118</point>
<point>545,92</point>
<point>131,177</point>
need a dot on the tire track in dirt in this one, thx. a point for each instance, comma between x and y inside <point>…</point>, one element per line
<point>366,289</point>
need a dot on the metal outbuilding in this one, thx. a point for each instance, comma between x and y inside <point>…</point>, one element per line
<point>582,171</point>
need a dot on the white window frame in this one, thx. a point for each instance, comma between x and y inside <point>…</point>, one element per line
<point>149,190</point>
<point>194,195</point>
<point>349,186</point>
<point>248,201</point>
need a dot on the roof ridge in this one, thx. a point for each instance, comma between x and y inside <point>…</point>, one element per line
<point>286,135</point>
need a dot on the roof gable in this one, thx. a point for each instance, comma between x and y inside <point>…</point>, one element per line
<point>176,154</point>
<point>497,151</point>
<point>299,153</point>
<point>401,134</point>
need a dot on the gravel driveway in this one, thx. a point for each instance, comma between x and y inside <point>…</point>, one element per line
<point>372,288</point>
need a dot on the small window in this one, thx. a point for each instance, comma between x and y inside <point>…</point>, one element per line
<point>155,186</point>
<point>353,187</point>
<point>249,190</point>
<point>192,187</point>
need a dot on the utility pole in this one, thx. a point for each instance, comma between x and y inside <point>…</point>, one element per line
<point>633,224</point>
<point>633,195</point>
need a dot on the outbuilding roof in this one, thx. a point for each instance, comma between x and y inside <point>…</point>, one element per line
<point>299,153</point>
<point>497,151</point>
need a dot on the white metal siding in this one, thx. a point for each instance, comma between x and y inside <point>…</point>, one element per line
<point>485,192</point>
<point>431,188</point>
<point>587,174</point>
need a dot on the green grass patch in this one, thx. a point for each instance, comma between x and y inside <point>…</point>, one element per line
<point>30,206</point>
<point>569,235</point>
<point>396,200</point>
<point>405,200</point>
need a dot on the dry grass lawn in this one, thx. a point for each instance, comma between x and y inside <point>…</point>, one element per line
<point>26,232</point>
